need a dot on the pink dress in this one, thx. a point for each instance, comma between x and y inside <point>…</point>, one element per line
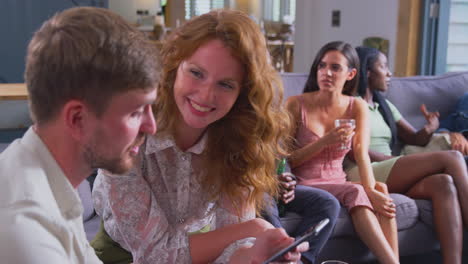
<point>325,170</point>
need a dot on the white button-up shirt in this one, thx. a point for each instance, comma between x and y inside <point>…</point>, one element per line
<point>40,211</point>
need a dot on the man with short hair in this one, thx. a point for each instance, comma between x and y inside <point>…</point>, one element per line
<point>91,79</point>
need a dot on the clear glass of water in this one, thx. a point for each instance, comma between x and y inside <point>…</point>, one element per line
<point>345,123</point>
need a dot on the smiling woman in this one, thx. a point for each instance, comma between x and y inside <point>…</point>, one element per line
<point>204,173</point>
<point>207,86</point>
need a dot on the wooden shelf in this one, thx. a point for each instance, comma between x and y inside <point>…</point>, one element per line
<point>13,91</point>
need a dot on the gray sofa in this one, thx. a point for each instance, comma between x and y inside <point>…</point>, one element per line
<point>418,242</point>
<point>90,218</point>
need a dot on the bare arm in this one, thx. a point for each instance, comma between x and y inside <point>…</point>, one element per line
<point>245,250</point>
<point>361,144</point>
<point>408,133</point>
<point>266,245</point>
<point>206,247</point>
<point>379,200</point>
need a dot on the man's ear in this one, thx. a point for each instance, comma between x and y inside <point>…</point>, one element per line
<point>351,74</point>
<point>75,115</point>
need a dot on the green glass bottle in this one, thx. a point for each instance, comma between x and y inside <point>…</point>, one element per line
<point>279,170</point>
<point>281,166</point>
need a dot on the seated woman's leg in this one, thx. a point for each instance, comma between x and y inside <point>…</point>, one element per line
<point>368,228</point>
<point>388,225</point>
<point>410,169</point>
<point>441,191</point>
<point>314,205</point>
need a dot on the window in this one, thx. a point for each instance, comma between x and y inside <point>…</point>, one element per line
<point>457,55</point>
<point>434,37</point>
<point>279,10</point>
<point>444,37</point>
<point>196,8</point>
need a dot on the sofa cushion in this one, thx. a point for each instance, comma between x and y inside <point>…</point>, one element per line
<point>407,211</point>
<point>425,211</point>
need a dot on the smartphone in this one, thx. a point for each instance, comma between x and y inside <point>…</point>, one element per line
<point>313,231</point>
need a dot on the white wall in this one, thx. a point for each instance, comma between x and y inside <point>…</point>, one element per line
<point>124,8</point>
<point>151,5</point>
<point>359,19</point>
<point>128,8</point>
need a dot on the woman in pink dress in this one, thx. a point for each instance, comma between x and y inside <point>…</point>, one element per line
<point>318,155</point>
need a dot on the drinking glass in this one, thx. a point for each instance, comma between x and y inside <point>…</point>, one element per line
<point>334,262</point>
<point>345,123</point>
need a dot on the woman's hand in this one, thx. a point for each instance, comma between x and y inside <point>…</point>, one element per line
<point>432,119</point>
<point>342,135</point>
<point>257,226</point>
<point>382,203</point>
<point>288,185</point>
<point>294,256</point>
<point>267,243</point>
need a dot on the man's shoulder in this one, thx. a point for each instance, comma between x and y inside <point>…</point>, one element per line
<point>21,176</point>
<point>34,235</point>
<point>20,241</point>
<point>15,155</point>
<point>10,151</point>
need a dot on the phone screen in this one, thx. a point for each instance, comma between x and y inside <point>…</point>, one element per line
<point>313,231</point>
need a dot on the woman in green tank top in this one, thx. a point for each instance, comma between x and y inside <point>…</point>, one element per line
<point>437,176</point>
